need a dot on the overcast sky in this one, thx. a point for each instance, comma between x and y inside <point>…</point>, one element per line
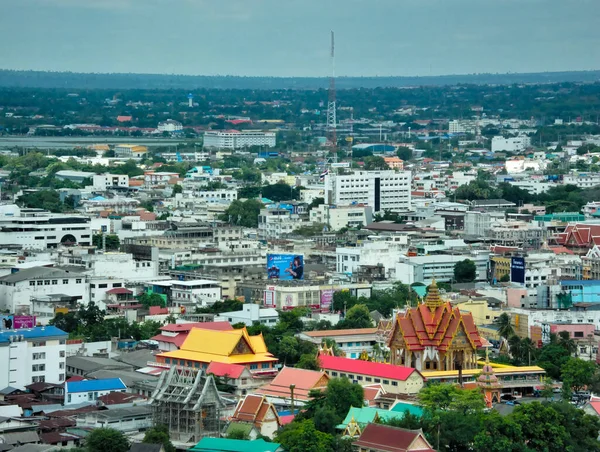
<point>291,37</point>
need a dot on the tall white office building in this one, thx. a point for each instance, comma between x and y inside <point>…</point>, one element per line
<point>234,139</point>
<point>382,190</point>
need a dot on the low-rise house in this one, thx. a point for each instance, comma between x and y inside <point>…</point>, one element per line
<point>235,375</point>
<point>257,411</point>
<point>89,390</point>
<point>279,391</point>
<point>383,438</point>
<point>352,342</point>
<point>393,379</point>
<point>251,313</point>
<point>131,419</point>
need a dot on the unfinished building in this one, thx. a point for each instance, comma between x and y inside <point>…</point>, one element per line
<point>188,402</point>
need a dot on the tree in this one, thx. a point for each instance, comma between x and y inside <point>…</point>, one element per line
<point>358,316</point>
<point>341,395</point>
<point>499,434</point>
<point>551,358</point>
<point>106,440</point>
<point>303,436</point>
<point>315,203</point>
<point>151,299</point>
<point>112,241</point>
<point>43,199</point>
<point>566,342</point>
<point>243,213</point>
<point>465,271</point>
<point>477,189</point>
<point>280,192</point>
<point>309,362</point>
<point>288,349</point>
<point>505,328</point>
<point>437,396</point>
<point>542,426</point>
<point>159,435</point>
<point>177,189</point>
<point>238,433</point>
<point>505,278</point>
<point>578,373</point>
<point>404,153</point>
<point>375,163</point>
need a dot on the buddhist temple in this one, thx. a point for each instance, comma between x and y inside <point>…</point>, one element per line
<point>434,336</point>
<point>201,347</point>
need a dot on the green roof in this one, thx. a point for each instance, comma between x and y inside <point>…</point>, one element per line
<point>365,415</point>
<point>560,216</point>
<point>234,445</point>
<point>402,407</point>
<point>245,427</point>
<point>420,290</point>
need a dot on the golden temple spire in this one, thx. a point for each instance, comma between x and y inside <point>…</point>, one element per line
<point>433,299</point>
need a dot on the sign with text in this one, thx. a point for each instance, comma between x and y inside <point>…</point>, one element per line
<point>17,322</point>
<point>517,269</point>
<point>326,300</point>
<point>285,266</point>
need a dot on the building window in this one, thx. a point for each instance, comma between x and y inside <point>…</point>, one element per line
<point>61,377</point>
<point>386,382</point>
<point>38,368</point>
<point>47,282</point>
<point>377,380</point>
<point>368,379</point>
<point>65,281</point>
<point>253,366</point>
<point>39,343</point>
<point>578,334</point>
<point>265,365</point>
<point>394,383</point>
<point>102,286</point>
<point>32,283</point>
<point>334,374</point>
<point>40,283</point>
<point>78,281</point>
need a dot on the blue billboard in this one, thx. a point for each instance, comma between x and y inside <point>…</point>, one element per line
<point>285,266</point>
<point>517,269</point>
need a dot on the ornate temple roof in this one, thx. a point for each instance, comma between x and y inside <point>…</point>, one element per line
<point>435,323</point>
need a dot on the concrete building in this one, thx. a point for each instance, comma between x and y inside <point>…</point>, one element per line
<point>32,355</point>
<point>40,229</point>
<point>512,144</point>
<point>18,290</point>
<point>382,190</point>
<point>274,223</point>
<point>73,176</point>
<point>102,182</point>
<point>217,195</point>
<point>169,125</point>
<point>479,223</point>
<point>516,233</point>
<point>130,151</point>
<point>77,392</point>
<point>234,139</point>
<point>190,294</point>
<point>250,314</point>
<point>380,252</point>
<point>440,267</point>
<point>351,342</point>
<point>582,180</point>
<point>338,217</point>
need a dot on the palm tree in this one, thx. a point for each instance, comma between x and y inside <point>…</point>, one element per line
<point>505,328</point>
<point>515,347</point>
<point>565,341</point>
<point>528,350</point>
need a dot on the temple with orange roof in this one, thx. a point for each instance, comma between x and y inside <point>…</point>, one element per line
<point>434,336</point>
<point>202,347</point>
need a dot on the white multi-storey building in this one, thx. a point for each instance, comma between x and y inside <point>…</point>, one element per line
<point>480,223</point>
<point>338,217</point>
<point>169,125</point>
<point>39,229</point>
<point>424,269</point>
<point>380,252</point>
<point>195,293</point>
<point>18,290</point>
<point>32,355</point>
<point>234,139</point>
<point>275,223</point>
<point>216,195</point>
<point>382,190</point>
<point>512,144</point>
<point>103,182</point>
<point>583,180</point>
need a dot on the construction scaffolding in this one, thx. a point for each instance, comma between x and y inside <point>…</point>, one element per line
<point>188,403</point>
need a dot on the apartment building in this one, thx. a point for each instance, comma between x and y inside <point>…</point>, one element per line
<point>382,190</point>
<point>32,355</point>
<point>349,259</point>
<point>512,144</point>
<point>17,290</point>
<point>352,342</point>
<point>338,217</point>
<point>234,139</point>
<point>190,294</point>
<point>582,180</point>
<point>276,223</point>
<point>479,223</point>
<point>440,267</point>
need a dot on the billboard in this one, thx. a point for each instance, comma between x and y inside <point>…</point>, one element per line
<point>17,322</point>
<point>517,269</point>
<point>269,297</point>
<point>326,300</point>
<point>285,266</point>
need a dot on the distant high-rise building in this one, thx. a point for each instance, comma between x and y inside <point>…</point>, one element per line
<point>382,190</point>
<point>190,100</point>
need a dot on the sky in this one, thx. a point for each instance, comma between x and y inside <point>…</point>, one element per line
<point>291,37</point>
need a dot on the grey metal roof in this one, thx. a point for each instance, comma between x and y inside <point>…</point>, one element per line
<point>139,447</point>
<point>129,377</point>
<point>90,364</point>
<point>120,413</point>
<point>36,273</point>
<point>20,437</point>
<point>35,448</point>
<point>137,358</point>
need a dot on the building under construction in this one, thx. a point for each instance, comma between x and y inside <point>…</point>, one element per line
<point>188,402</point>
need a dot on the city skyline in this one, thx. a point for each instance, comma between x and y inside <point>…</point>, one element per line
<point>381,37</point>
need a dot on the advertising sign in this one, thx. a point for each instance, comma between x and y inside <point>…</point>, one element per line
<point>285,266</point>
<point>17,322</point>
<point>517,269</point>
<point>326,300</point>
<point>269,298</point>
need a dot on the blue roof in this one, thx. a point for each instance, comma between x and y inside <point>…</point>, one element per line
<point>580,282</point>
<point>234,445</point>
<point>106,384</point>
<point>34,333</point>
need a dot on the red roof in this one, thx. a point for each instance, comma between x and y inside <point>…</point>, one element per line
<point>176,340</point>
<point>157,310</point>
<point>287,419</point>
<point>124,118</point>
<point>75,378</point>
<point>119,291</point>
<point>187,327</point>
<point>580,235</point>
<point>222,369</point>
<point>392,439</point>
<point>356,366</point>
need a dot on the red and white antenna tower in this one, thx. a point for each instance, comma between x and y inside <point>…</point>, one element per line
<point>331,104</point>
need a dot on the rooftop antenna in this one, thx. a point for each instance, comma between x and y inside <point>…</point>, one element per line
<point>331,104</point>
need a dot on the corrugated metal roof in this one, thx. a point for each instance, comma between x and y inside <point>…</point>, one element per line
<point>109,384</point>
